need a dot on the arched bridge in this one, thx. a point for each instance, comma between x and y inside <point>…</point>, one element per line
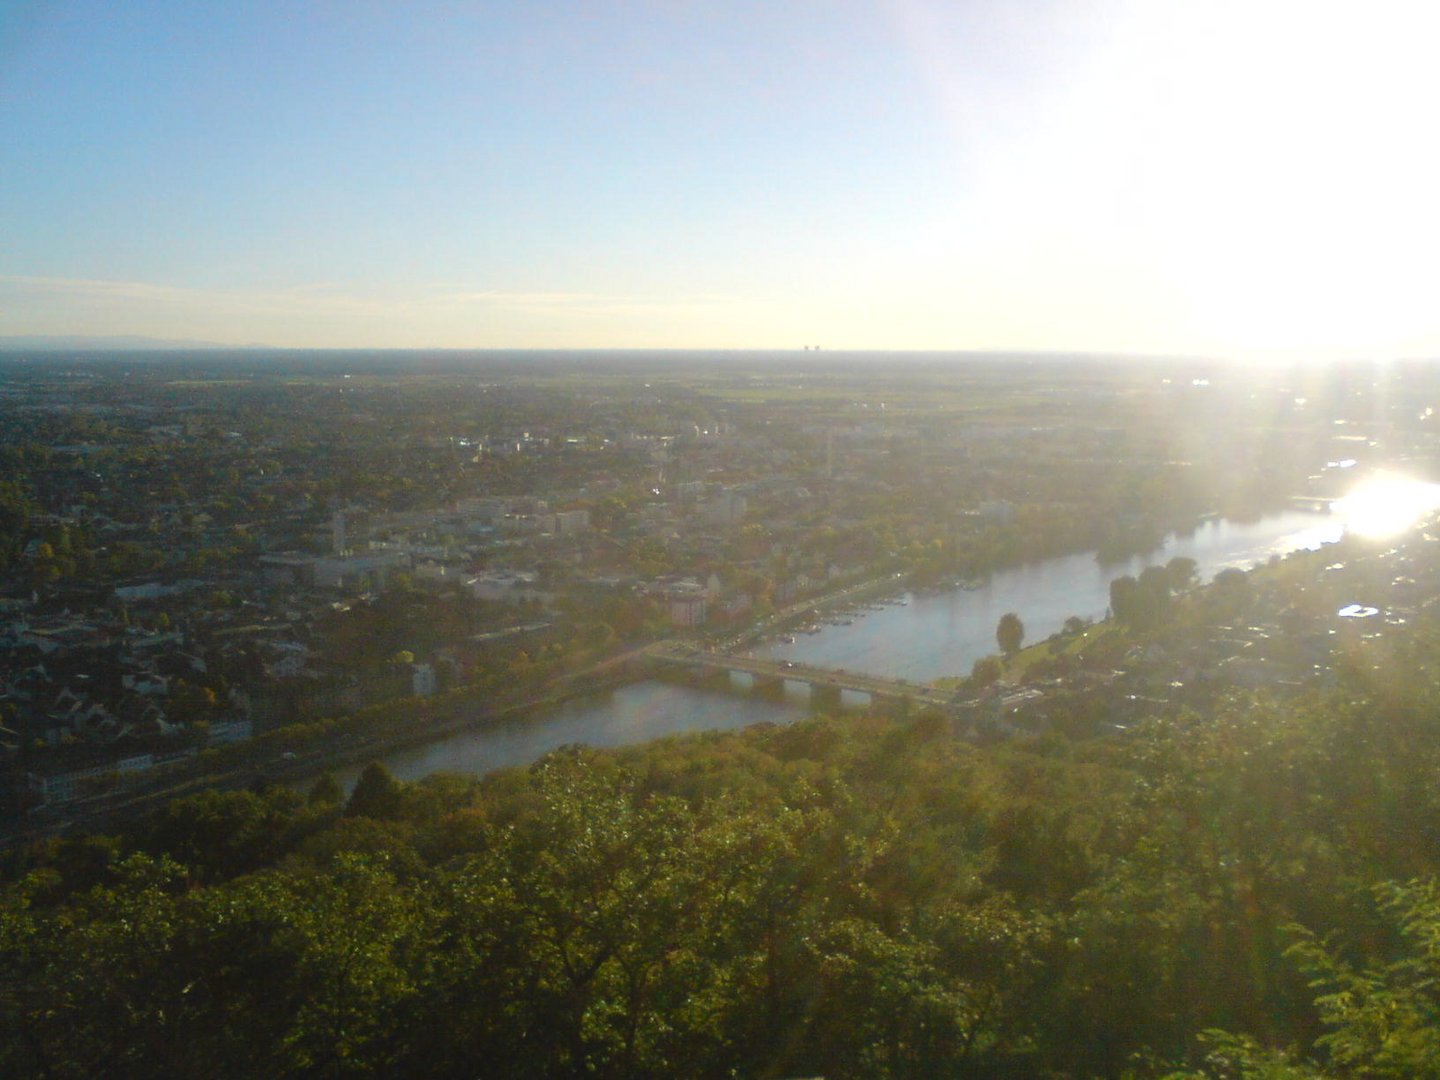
<point>825,683</point>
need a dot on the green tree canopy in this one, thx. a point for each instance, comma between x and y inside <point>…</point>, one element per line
<point>1010,633</point>
<point>376,794</point>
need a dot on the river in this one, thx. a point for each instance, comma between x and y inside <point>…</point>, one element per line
<point>935,634</point>
<point>917,637</point>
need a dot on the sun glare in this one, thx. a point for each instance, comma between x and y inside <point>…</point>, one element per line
<point>1387,504</point>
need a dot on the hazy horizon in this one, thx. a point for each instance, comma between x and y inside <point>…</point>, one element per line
<point>1233,180</point>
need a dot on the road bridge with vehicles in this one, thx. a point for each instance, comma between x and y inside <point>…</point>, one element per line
<point>769,676</point>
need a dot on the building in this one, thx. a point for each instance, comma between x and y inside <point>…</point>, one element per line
<point>507,586</point>
<point>728,509</point>
<point>358,572</point>
<point>687,601</point>
<point>571,522</point>
<point>62,787</point>
<point>688,610</point>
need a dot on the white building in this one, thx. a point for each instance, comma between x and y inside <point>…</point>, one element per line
<point>422,680</point>
<point>226,732</point>
<point>506,586</point>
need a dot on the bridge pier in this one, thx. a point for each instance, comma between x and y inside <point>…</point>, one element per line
<point>824,698</point>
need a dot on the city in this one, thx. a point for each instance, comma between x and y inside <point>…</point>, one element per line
<point>792,541</point>
<point>347,626</point>
<point>196,559</point>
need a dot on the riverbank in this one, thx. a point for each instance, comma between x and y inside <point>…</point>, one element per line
<point>937,634</point>
<point>295,767</point>
<point>797,614</point>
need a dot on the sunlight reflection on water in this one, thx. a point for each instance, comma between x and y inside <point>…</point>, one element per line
<point>1386,504</point>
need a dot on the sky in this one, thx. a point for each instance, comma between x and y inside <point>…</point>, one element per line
<point>1244,179</point>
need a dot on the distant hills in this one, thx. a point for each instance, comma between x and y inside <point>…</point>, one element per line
<point>116,343</point>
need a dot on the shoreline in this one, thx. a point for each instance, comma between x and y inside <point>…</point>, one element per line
<point>348,749</point>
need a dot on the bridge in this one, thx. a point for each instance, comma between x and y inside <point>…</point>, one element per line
<point>770,676</point>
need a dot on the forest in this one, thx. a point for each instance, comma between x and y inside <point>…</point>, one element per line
<point>1245,893</point>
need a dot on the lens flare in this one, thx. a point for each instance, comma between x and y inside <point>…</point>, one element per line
<point>1386,505</point>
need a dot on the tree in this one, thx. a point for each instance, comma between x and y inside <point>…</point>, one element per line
<point>1123,599</point>
<point>985,672</point>
<point>1183,572</point>
<point>1155,583</point>
<point>1232,580</point>
<point>1010,633</point>
<point>1141,604</point>
<point>376,794</point>
<point>219,834</point>
<point>326,791</point>
<point>1382,1018</point>
<point>189,703</point>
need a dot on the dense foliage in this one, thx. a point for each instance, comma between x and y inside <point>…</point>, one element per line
<point>1244,894</point>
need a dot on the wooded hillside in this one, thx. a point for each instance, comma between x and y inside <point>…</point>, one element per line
<point>840,897</point>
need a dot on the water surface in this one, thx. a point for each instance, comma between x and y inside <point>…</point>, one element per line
<point>943,633</point>
<point>927,636</point>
